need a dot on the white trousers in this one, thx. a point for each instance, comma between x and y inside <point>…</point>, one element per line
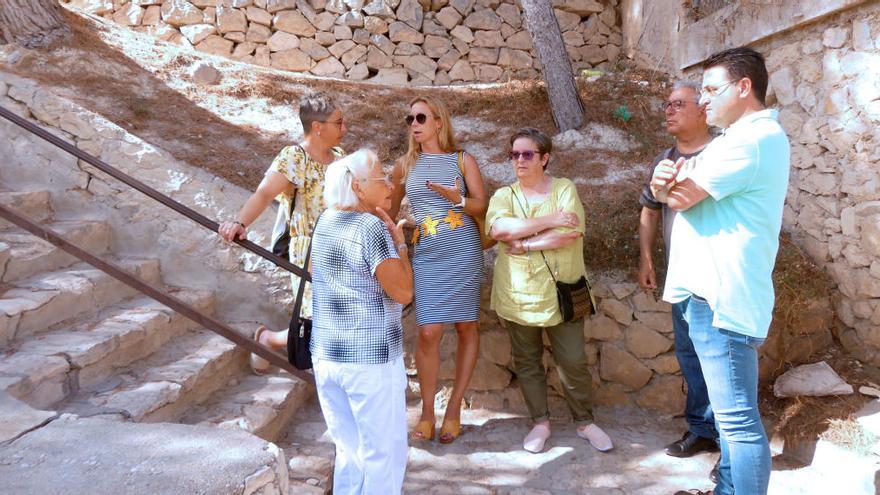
<point>364,406</point>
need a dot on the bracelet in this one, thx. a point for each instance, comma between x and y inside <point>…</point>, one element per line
<point>525,245</point>
<point>401,246</point>
<point>242,225</point>
<point>462,202</point>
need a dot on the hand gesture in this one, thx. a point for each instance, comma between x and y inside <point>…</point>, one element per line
<point>396,230</point>
<point>564,219</point>
<point>515,247</point>
<point>665,174</point>
<point>451,194</point>
<point>230,231</point>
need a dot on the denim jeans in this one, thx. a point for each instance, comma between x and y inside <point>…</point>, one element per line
<point>697,410</point>
<point>730,367</point>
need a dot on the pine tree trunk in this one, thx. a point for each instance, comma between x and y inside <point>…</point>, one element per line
<point>568,111</point>
<point>31,23</point>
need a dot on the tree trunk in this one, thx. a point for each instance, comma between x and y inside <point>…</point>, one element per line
<point>568,111</point>
<point>31,23</point>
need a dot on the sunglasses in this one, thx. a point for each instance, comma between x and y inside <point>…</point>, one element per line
<point>526,155</point>
<point>419,117</point>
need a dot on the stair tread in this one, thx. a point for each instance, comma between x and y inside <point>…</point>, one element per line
<point>251,402</point>
<point>30,254</point>
<point>163,377</point>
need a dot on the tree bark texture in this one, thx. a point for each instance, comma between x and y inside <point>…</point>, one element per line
<point>568,111</point>
<point>31,23</point>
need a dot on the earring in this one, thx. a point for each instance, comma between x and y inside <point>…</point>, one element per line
<point>319,133</point>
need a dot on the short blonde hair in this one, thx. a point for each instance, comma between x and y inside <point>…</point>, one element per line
<point>341,174</point>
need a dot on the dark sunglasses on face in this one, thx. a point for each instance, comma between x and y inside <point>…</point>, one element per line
<point>419,117</point>
<point>526,155</point>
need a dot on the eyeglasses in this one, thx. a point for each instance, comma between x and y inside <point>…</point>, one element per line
<point>419,117</point>
<point>710,92</point>
<point>675,105</point>
<point>385,178</point>
<point>525,155</point>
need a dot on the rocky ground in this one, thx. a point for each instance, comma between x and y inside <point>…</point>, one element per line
<point>488,459</point>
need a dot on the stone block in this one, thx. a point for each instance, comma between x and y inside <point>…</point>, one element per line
<point>602,328</point>
<point>293,22</point>
<point>354,56</point>
<point>292,59</point>
<point>664,394</point>
<point>377,59</point>
<point>463,7</point>
<point>195,33</point>
<point>206,75</point>
<point>375,25</point>
<point>358,72</point>
<point>313,49</point>
<point>329,67</point>
<point>436,46</point>
<point>488,73</point>
<point>281,41</point>
<point>463,33</point>
<point>665,364</point>
<point>661,322</point>
<point>180,13</point>
<point>644,301</point>
<point>567,21</point>
<point>617,310</point>
<point>617,365</point>
<point>339,48</point>
<point>418,64</point>
<point>399,31</point>
<point>258,16</point>
<point>483,55</point>
<point>129,15</point>
<point>379,8</point>
<point>645,342</point>
<point>351,19</point>
<point>407,49</point>
<point>449,17</point>
<point>152,15</point>
<point>509,13</point>
<point>411,12</point>
<point>783,83</point>
<point>520,40</point>
<point>483,19</point>
<point>231,20</point>
<point>514,59</point>
<point>343,32</point>
<point>216,45</point>
<point>488,39</point>
<point>581,8</point>
<point>462,71</point>
<point>448,60</point>
<point>391,76</point>
<point>834,37</point>
<point>861,35</point>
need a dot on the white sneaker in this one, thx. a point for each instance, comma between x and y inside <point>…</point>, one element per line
<point>534,441</point>
<point>597,438</point>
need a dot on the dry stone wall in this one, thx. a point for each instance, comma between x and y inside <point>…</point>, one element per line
<point>390,41</point>
<point>826,82</point>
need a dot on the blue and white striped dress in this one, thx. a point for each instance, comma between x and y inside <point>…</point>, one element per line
<point>448,256</point>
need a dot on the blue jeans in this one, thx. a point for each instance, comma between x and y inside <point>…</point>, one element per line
<point>697,410</point>
<point>730,367</point>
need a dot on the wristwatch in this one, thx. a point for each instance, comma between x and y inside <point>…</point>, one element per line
<point>463,201</point>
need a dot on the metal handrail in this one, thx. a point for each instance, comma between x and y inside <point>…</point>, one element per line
<point>149,191</point>
<point>118,273</point>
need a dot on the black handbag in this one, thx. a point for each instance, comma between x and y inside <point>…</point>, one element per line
<point>299,333</point>
<point>575,300</point>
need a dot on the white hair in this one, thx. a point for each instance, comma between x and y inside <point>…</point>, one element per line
<point>341,174</point>
<point>688,84</point>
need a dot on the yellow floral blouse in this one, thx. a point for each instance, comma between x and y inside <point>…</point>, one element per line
<point>307,176</point>
<point>522,289</point>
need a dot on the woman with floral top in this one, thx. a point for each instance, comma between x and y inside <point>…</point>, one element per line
<point>296,180</point>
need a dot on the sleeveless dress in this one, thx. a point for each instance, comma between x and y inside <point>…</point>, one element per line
<point>448,257</point>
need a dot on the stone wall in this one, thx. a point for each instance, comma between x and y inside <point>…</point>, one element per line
<point>390,41</point>
<point>826,82</point>
<point>247,287</point>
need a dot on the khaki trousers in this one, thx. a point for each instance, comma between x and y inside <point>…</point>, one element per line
<point>567,348</point>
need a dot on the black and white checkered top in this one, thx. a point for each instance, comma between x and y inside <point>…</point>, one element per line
<point>353,319</point>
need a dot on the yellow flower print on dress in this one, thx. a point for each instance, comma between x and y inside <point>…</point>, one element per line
<point>453,219</point>
<point>430,225</point>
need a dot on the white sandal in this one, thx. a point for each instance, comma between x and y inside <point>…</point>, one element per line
<point>534,441</point>
<point>259,365</point>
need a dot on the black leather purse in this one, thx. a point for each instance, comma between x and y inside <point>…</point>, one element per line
<point>299,333</point>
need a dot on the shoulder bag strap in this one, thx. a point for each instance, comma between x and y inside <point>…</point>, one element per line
<point>515,196</point>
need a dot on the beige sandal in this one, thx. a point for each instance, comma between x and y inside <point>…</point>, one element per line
<point>259,365</point>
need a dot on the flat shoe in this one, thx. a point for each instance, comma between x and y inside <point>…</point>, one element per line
<point>424,430</point>
<point>450,430</point>
<point>534,441</point>
<point>259,366</point>
<point>597,438</point>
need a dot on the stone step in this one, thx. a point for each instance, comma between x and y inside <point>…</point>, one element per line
<point>30,255</point>
<point>35,205</point>
<point>45,369</point>
<point>37,303</point>
<point>310,452</point>
<point>262,405</point>
<point>162,387</point>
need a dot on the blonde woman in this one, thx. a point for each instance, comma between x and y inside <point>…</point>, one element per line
<point>445,190</point>
<point>296,179</point>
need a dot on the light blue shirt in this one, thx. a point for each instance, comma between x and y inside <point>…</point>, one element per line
<point>725,246</point>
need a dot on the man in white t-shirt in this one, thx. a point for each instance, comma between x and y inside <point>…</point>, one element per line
<point>726,236</point>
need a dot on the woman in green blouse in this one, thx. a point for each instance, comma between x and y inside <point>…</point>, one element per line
<point>540,220</point>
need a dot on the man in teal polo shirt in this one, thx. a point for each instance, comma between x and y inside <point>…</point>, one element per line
<point>730,200</point>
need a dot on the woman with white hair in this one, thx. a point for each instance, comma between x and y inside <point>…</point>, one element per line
<point>361,277</point>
